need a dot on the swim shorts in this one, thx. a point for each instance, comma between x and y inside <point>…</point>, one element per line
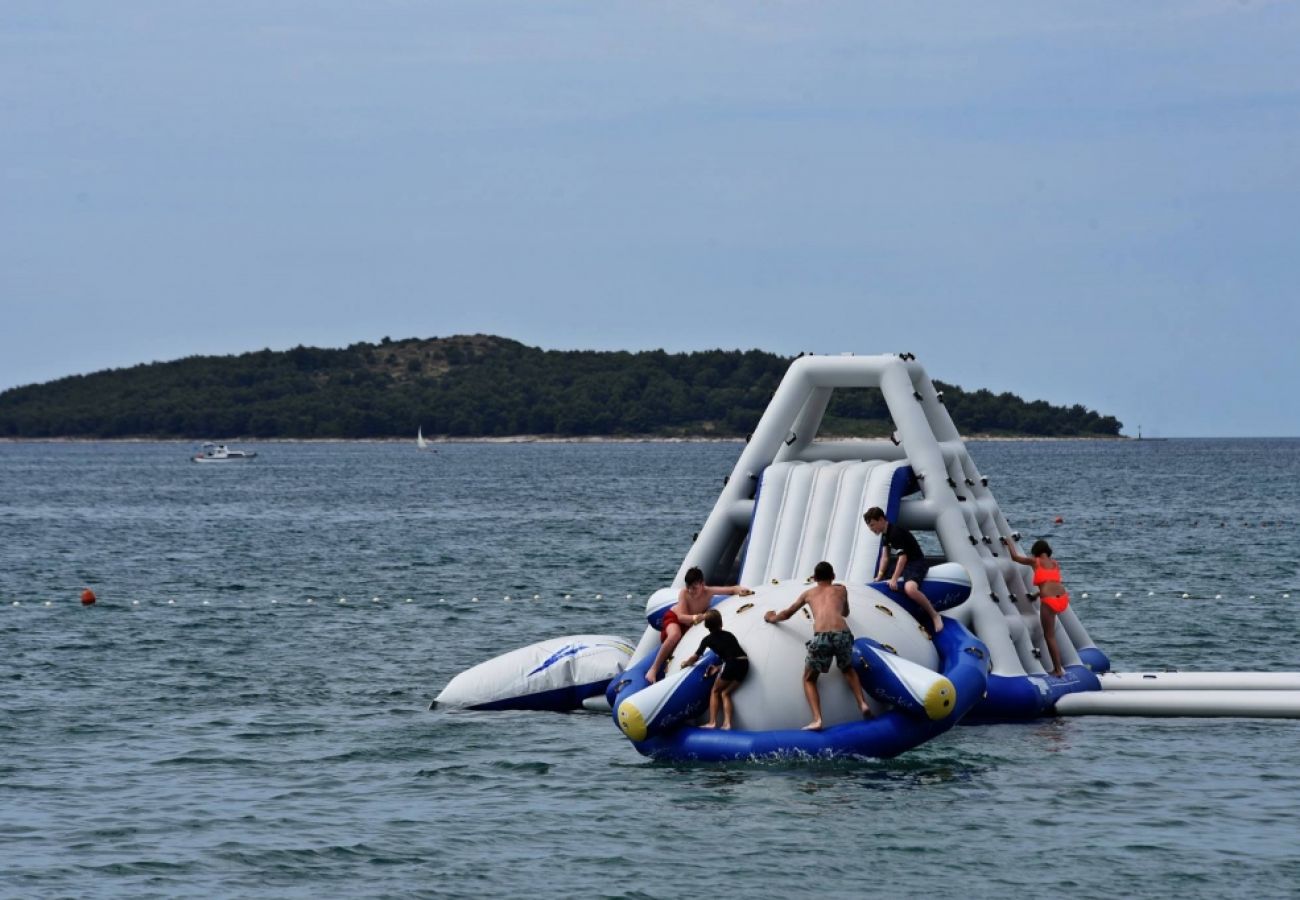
<point>735,670</point>
<point>670,618</point>
<point>826,645</point>
<point>913,571</point>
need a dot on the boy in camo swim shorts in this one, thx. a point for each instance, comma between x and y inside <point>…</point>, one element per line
<point>828,645</point>
<point>831,639</point>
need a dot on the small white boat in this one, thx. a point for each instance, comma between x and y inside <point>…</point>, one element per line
<point>220,453</point>
<point>420,442</point>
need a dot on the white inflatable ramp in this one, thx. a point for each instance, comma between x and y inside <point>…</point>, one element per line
<point>806,512</point>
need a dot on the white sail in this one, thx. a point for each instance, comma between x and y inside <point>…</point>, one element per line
<point>419,439</point>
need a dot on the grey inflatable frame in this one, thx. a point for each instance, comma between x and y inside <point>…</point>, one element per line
<point>956,502</point>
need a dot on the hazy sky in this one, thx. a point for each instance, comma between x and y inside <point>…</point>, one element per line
<point>1080,202</point>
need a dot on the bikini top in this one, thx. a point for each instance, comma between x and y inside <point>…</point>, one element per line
<point>1043,575</point>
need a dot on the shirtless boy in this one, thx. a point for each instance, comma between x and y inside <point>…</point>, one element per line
<point>692,603</point>
<point>829,603</point>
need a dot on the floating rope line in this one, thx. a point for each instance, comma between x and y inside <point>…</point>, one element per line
<point>510,598</point>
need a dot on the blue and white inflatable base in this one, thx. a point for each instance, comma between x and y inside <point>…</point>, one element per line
<point>1018,698</point>
<point>963,663</point>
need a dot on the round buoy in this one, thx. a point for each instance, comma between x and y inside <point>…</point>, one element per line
<point>135,602</point>
<point>600,596</point>
<point>1084,595</point>
<point>1119,594</point>
<point>537,596</point>
<point>1058,521</point>
<point>311,600</point>
<point>408,600</point>
<point>87,597</point>
<point>1185,596</point>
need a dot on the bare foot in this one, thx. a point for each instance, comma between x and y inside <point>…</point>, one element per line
<point>1059,673</point>
<point>650,676</point>
<point>866,712</point>
<point>938,623</point>
<point>726,726</point>
<point>814,725</point>
<point>711,725</point>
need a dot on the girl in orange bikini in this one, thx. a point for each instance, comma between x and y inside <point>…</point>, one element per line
<point>1052,598</point>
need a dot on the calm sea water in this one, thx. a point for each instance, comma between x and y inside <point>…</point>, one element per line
<point>206,731</point>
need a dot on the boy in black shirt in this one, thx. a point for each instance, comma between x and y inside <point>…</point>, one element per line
<point>735,666</point>
<point>910,566</point>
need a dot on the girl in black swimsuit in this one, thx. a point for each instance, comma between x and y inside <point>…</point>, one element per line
<point>735,666</point>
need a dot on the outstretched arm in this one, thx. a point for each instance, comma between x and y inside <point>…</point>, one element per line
<point>1017,557</point>
<point>789,611</point>
<point>734,590</point>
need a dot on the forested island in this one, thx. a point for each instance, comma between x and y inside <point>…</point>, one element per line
<point>473,386</point>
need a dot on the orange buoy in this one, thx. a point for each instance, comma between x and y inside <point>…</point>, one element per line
<point>87,597</point>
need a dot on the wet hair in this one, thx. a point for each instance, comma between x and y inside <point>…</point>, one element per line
<point>694,576</point>
<point>713,620</point>
<point>873,514</point>
<point>1040,547</point>
<point>824,572</point>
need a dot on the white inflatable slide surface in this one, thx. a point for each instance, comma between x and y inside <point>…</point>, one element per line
<point>806,512</point>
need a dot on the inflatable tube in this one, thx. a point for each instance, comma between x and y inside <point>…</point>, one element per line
<point>659,603</point>
<point>1200,681</point>
<point>946,585</point>
<point>901,683</point>
<point>557,675</point>
<point>964,661</point>
<point>1094,659</point>
<point>1017,698</point>
<point>1270,704</point>
<point>679,697</point>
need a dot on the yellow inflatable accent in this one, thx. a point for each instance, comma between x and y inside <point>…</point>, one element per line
<point>631,721</point>
<point>940,699</point>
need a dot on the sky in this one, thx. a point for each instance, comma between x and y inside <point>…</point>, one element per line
<point>1093,203</point>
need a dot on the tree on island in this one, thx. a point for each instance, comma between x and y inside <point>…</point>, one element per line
<point>473,386</point>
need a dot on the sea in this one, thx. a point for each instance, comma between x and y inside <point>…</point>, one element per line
<point>245,710</point>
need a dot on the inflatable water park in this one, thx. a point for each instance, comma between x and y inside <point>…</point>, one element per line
<point>983,651</point>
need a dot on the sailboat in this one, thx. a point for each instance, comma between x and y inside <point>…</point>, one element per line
<point>420,442</point>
